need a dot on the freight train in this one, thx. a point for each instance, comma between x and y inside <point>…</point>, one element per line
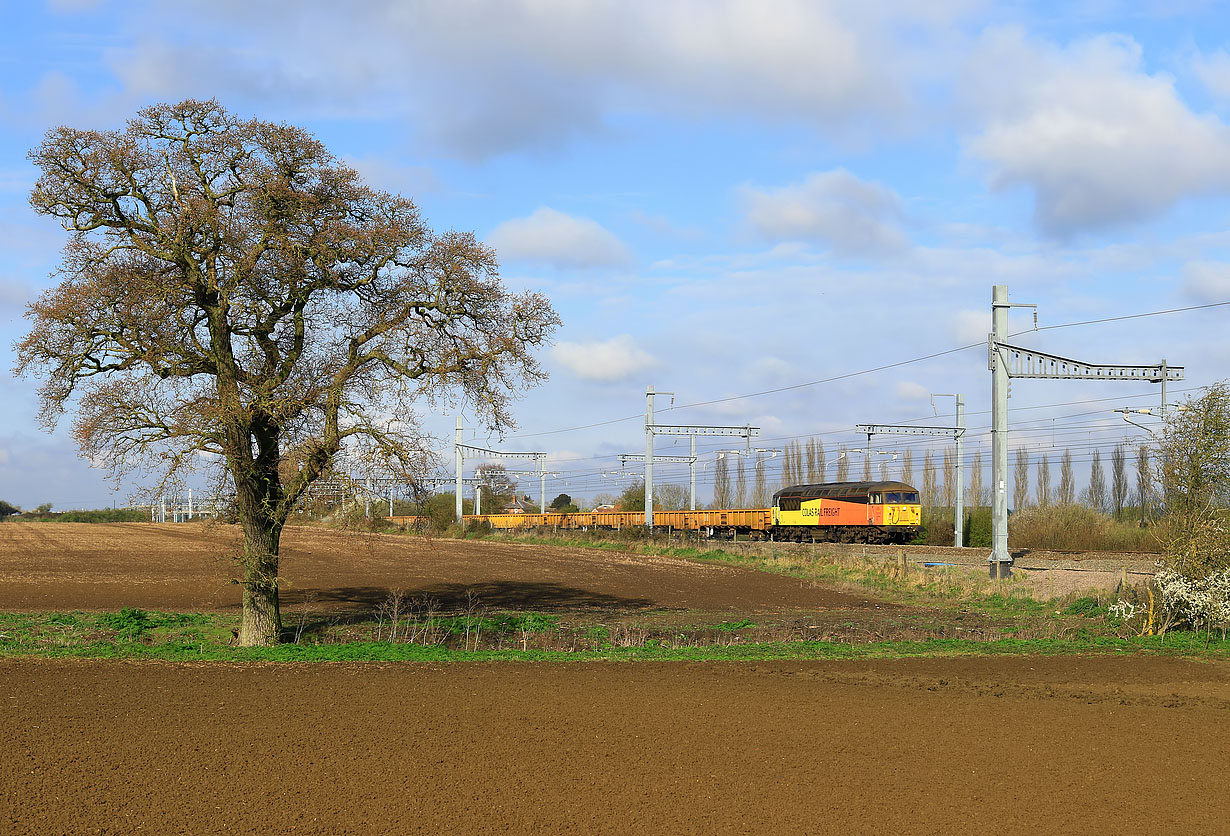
<point>844,512</point>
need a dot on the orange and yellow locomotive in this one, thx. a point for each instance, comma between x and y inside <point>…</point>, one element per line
<point>845,512</point>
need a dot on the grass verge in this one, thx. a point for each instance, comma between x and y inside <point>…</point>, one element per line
<point>196,637</point>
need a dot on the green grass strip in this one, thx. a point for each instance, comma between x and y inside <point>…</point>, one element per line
<point>181,651</point>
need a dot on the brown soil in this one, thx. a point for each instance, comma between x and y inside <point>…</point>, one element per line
<point>185,567</point>
<point>952,746</point>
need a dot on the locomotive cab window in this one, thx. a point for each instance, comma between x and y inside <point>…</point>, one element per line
<point>909,498</point>
<point>894,498</point>
<point>875,499</point>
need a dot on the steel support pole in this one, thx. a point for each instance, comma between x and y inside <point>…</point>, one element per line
<point>542,486</point>
<point>1000,561</point>
<point>692,477</point>
<point>478,499</point>
<point>649,457</point>
<point>1163,388</point>
<point>958,534</point>
<point>457,463</point>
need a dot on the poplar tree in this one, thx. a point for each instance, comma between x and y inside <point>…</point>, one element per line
<point>928,480</point>
<point>721,483</point>
<point>1044,481</point>
<point>1067,483</point>
<point>1096,494</point>
<point>760,491</point>
<point>1020,480</point>
<point>907,467</point>
<point>740,484</point>
<point>975,479</point>
<point>843,465</point>
<point>1144,481</point>
<point>948,495</point>
<point>1119,479</point>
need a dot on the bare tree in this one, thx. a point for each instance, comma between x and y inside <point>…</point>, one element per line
<point>843,465</point>
<point>1044,481</point>
<point>670,497</point>
<point>867,465</point>
<point>928,480</point>
<point>1118,480</point>
<point>1144,481</point>
<point>1096,494</point>
<point>787,467</point>
<point>883,471</point>
<point>760,490</point>
<point>976,497</point>
<point>231,289</point>
<point>907,467</point>
<point>498,486</point>
<point>810,448</point>
<point>740,484</point>
<point>821,472</point>
<point>1067,483</point>
<point>721,483</point>
<point>1020,480</point>
<point>948,493</point>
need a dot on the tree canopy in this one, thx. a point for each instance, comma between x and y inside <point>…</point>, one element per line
<point>233,296</point>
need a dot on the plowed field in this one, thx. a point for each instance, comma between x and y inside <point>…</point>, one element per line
<point>953,746</point>
<point>945,746</point>
<point>180,567</point>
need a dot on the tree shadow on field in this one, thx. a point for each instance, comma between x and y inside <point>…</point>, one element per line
<point>355,604</point>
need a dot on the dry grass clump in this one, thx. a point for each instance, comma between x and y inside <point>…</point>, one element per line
<point>1076,528</point>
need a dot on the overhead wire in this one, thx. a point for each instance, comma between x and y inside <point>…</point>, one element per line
<point>872,370</point>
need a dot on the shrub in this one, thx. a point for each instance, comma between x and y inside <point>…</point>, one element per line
<point>978,527</point>
<point>1076,528</point>
<point>129,622</point>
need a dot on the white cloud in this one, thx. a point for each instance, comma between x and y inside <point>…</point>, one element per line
<point>850,215</point>
<point>1207,281</point>
<point>565,241</point>
<point>606,362</point>
<point>1213,70</point>
<point>1097,139</point>
<point>481,79</point>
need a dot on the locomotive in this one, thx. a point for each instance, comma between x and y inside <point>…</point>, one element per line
<point>844,512</point>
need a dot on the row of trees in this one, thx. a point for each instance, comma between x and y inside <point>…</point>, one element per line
<point>806,462</point>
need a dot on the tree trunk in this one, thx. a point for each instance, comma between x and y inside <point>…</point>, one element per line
<point>262,618</point>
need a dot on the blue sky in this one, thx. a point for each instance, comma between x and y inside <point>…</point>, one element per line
<point>721,198</point>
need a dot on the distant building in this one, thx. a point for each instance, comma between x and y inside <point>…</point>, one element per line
<point>520,506</point>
